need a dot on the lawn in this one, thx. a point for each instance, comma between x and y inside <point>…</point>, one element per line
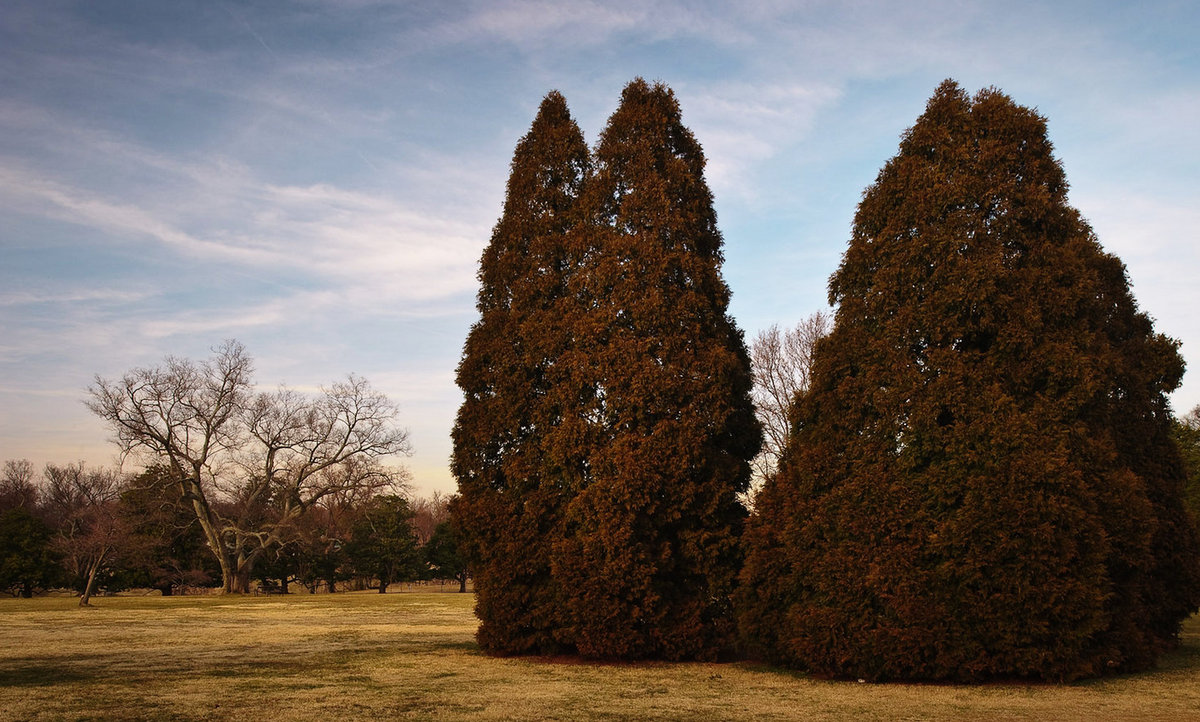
<point>412,656</point>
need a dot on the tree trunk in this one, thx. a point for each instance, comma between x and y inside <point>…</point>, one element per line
<point>241,580</point>
<point>245,565</point>
<point>26,590</point>
<point>462,584</point>
<point>383,585</point>
<point>283,584</point>
<point>190,488</point>
<point>85,600</point>
<point>331,586</point>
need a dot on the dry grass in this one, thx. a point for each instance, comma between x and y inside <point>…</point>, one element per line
<point>412,656</point>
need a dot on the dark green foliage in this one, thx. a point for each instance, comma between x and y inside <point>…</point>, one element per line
<point>317,549</point>
<point>28,561</point>
<point>1187,436</point>
<point>383,544</point>
<point>442,558</point>
<point>508,514</point>
<point>281,565</point>
<point>166,549</point>
<point>980,480</point>
<point>607,425</point>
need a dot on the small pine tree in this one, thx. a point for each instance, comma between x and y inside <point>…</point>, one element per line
<point>980,480</point>
<point>663,417</point>
<point>508,513</point>
<point>442,559</point>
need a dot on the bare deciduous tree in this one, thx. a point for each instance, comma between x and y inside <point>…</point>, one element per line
<point>428,513</point>
<point>782,362</point>
<point>251,464</point>
<point>17,487</point>
<point>91,529</point>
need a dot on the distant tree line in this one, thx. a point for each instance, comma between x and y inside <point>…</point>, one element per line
<point>970,471</point>
<point>96,530</point>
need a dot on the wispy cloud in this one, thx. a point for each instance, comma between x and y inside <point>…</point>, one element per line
<point>319,179</point>
<point>349,238</point>
<point>21,189</point>
<point>69,296</point>
<point>743,124</point>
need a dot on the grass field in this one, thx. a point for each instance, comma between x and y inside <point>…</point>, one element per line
<point>412,656</point>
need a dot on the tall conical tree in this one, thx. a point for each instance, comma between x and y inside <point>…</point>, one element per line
<point>508,514</point>
<point>980,480</point>
<point>651,554</point>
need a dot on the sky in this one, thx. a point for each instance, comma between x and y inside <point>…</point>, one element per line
<point>317,179</point>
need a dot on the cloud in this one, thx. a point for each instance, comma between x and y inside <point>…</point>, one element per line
<point>19,189</point>
<point>214,321</point>
<point>69,296</point>
<point>360,238</point>
<point>535,26</point>
<point>528,21</point>
<point>741,125</point>
<point>1155,238</point>
<point>347,238</point>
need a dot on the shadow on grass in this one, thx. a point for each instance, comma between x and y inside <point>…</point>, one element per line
<point>39,675</point>
<point>236,664</point>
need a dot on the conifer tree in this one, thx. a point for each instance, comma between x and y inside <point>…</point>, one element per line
<point>665,425</point>
<point>509,509</point>
<point>980,479</point>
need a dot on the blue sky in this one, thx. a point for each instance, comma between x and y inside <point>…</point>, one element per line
<point>317,179</point>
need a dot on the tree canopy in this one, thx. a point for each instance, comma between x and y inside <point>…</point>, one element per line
<point>383,542</point>
<point>669,428</point>
<point>509,510</point>
<point>250,463</point>
<point>980,480</point>
<point>607,424</point>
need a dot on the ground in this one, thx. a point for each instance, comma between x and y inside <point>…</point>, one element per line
<point>413,656</point>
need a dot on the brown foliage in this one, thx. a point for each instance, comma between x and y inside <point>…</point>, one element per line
<point>508,513</point>
<point>980,482</point>
<point>651,556</point>
<point>607,425</point>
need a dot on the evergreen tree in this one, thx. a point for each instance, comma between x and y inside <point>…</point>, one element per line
<point>441,556</point>
<point>663,427</point>
<point>607,425</point>
<point>28,560</point>
<point>166,549</point>
<point>1187,436</point>
<point>980,479</point>
<point>383,543</point>
<point>508,514</point>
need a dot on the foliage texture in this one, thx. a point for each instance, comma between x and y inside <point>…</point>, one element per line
<point>665,416</point>
<point>384,544</point>
<point>28,559</point>
<point>509,510</point>
<point>1187,436</point>
<point>608,425</point>
<point>980,480</point>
